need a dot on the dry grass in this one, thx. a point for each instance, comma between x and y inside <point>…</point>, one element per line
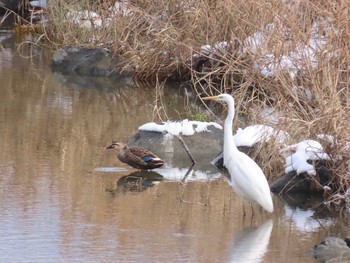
<point>23,20</point>
<point>158,40</point>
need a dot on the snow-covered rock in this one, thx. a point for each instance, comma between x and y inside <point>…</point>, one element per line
<point>298,155</point>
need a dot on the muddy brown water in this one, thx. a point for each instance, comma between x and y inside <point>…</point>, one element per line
<point>65,199</point>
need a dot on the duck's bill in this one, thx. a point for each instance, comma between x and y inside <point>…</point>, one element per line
<point>110,146</point>
<point>114,143</point>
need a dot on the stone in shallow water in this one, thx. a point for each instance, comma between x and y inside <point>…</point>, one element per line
<point>331,248</point>
<point>98,62</point>
<point>304,183</point>
<point>204,146</point>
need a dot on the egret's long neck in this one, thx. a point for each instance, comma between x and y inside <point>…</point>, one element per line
<point>229,144</point>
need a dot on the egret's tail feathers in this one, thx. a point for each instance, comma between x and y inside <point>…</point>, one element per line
<point>267,204</point>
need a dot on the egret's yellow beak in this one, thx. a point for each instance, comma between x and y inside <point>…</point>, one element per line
<point>210,98</point>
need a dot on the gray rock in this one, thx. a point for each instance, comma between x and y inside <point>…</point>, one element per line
<point>96,62</point>
<point>203,146</point>
<point>331,248</point>
<point>303,183</point>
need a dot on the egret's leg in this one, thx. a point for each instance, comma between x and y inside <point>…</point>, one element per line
<point>252,215</point>
<point>244,213</point>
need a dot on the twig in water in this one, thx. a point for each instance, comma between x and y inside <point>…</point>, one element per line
<point>186,149</point>
<point>187,173</point>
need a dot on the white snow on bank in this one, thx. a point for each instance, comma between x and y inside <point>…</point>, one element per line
<point>121,8</point>
<point>184,127</point>
<point>297,59</point>
<point>212,51</point>
<point>219,47</point>
<point>90,19</point>
<point>297,155</point>
<point>268,115</point>
<point>254,43</point>
<point>344,147</point>
<point>38,3</point>
<point>87,19</point>
<point>269,65</point>
<point>258,133</point>
<point>302,56</point>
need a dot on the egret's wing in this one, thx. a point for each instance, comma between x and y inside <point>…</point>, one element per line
<point>249,181</point>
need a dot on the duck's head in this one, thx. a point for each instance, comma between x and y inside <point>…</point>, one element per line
<point>116,145</point>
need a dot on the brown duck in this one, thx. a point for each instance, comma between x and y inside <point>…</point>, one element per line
<point>137,157</point>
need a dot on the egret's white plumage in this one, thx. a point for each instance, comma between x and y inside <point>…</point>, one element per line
<point>247,178</point>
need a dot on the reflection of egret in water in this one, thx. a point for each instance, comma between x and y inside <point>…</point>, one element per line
<point>250,244</point>
<point>136,182</point>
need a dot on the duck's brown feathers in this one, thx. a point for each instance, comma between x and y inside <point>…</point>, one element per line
<point>137,157</point>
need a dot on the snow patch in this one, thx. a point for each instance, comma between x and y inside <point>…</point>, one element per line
<point>184,127</point>
<point>297,155</point>
<point>258,133</point>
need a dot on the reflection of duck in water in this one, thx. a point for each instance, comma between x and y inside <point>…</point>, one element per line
<point>136,182</point>
<point>137,157</point>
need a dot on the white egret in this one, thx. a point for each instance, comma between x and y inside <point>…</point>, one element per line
<point>247,178</point>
